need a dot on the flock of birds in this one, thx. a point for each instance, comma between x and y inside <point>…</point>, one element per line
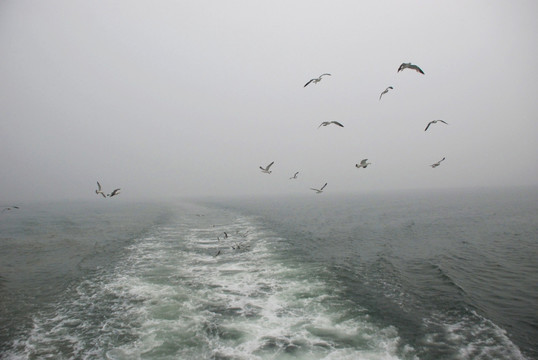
<point>364,162</point>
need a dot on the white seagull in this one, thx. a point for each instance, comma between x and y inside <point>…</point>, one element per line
<point>385,91</point>
<point>325,123</point>
<point>99,190</point>
<point>437,163</point>
<point>266,169</point>
<point>294,176</point>
<point>316,80</point>
<point>410,66</point>
<point>434,122</point>
<point>114,193</point>
<point>363,164</point>
<point>319,191</point>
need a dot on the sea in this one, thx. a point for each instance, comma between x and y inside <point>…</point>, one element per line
<point>422,274</point>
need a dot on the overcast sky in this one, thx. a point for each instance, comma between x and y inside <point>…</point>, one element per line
<point>175,98</point>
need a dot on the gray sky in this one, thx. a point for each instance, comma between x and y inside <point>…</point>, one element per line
<point>174,98</point>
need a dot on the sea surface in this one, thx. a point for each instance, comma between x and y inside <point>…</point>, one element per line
<point>438,274</point>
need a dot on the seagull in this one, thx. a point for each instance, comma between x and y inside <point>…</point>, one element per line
<point>325,123</point>
<point>363,164</point>
<point>316,80</point>
<point>437,163</point>
<point>217,254</point>
<point>410,66</point>
<point>99,191</point>
<point>115,192</point>
<point>9,208</point>
<point>319,191</point>
<point>385,91</point>
<point>294,176</point>
<point>266,169</point>
<point>434,122</point>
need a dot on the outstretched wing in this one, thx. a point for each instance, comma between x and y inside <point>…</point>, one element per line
<point>324,75</point>
<point>363,161</point>
<point>337,123</point>
<point>323,187</point>
<point>98,186</point>
<point>444,122</point>
<point>428,125</point>
<point>309,82</point>
<point>268,166</point>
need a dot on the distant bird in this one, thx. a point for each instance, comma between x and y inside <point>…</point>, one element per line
<point>10,208</point>
<point>410,66</point>
<point>385,91</point>
<point>217,254</point>
<point>294,176</point>
<point>363,164</point>
<point>225,235</point>
<point>266,169</point>
<point>114,193</point>
<point>437,163</point>
<point>316,80</point>
<point>319,191</point>
<point>434,122</point>
<point>325,123</point>
<point>99,190</point>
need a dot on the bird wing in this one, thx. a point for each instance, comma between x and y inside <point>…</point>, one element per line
<point>99,186</point>
<point>403,66</point>
<point>309,82</point>
<point>444,122</point>
<point>115,192</point>
<point>416,68</point>
<point>337,123</point>
<point>428,125</point>
<point>268,166</point>
<point>324,75</point>
<point>323,187</point>
<point>363,161</point>
<point>102,193</point>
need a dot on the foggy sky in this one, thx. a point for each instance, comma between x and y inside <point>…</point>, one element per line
<point>176,98</point>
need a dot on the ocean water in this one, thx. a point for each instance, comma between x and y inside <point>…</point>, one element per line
<point>404,275</point>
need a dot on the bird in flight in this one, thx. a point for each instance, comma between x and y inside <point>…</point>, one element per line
<point>316,80</point>
<point>325,123</point>
<point>385,91</point>
<point>363,164</point>
<point>114,193</point>
<point>410,66</point>
<point>434,122</point>
<point>99,190</point>
<point>266,169</point>
<point>9,208</point>
<point>319,191</point>
<point>437,163</point>
<point>294,176</point>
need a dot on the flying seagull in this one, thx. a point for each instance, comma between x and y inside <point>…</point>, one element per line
<point>9,208</point>
<point>99,190</point>
<point>114,193</point>
<point>316,80</point>
<point>385,91</point>
<point>434,122</point>
<point>325,123</point>
<point>410,66</point>
<point>363,164</point>
<point>437,163</point>
<point>266,169</point>
<point>294,176</point>
<point>319,191</point>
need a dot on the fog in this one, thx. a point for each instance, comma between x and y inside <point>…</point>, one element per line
<point>189,98</point>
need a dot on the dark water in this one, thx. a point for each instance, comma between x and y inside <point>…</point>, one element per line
<point>437,275</point>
